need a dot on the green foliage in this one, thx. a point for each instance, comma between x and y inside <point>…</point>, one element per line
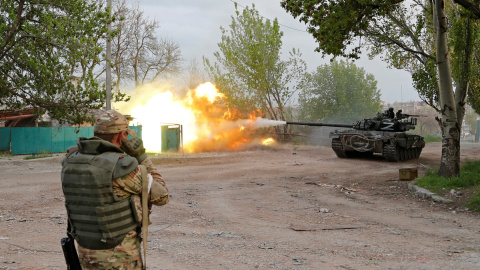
<point>400,33</point>
<point>249,69</point>
<point>469,179</point>
<point>465,40</point>
<point>336,24</point>
<point>425,81</point>
<point>474,95</point>
<point>339,92</point>
<point>466,37</point>
<point>48,50</point>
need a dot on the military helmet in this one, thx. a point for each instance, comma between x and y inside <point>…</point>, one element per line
<point>112,122</point>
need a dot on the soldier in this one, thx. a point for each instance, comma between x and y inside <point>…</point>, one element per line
<point>102,187</point>
<point>390,114</point>
<point>399,115</point>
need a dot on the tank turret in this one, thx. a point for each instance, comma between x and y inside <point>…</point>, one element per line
<point>384,134</point>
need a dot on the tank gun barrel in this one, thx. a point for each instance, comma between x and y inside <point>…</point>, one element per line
<point>414,115</point>
<point>320,124</point>
<point>401,116</point>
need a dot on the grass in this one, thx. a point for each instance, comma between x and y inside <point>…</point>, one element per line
<point>468,182</point>
<point>39,155</point>
<point>432,138</point>
<point>5,154</point>
<point>474,202</point>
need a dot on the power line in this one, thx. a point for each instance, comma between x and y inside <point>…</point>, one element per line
<point>271,20</point>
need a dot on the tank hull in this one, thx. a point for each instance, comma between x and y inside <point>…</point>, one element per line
<point>393,146</point>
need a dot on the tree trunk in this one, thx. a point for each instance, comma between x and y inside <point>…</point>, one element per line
<point>450,159</point>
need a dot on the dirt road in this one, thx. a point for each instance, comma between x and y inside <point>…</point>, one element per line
<point>284,207</point>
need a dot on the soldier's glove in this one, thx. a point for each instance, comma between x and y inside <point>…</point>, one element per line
<point>159,193</point>
<point>134,147</point>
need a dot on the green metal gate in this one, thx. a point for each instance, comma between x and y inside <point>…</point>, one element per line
<point>171,137</point>
<point>36,140</point>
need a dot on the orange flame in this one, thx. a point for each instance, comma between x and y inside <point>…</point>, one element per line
<point>208,124</point>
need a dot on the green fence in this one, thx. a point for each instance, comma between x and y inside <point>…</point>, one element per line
<point>35,140</point>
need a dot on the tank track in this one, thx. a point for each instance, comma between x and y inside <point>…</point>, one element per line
<point>338,149</point>
<point>394,153</point>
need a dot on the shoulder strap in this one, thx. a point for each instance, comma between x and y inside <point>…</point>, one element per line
<point>145,220</point>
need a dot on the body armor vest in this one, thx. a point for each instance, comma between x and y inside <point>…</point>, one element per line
<point>98,219</point>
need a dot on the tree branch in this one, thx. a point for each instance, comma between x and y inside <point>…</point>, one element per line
<point>14,29</point>
<point>413,37</point>
<point>39,102</point>
<point>468,5</point>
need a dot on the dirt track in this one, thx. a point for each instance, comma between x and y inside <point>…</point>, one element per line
<point>237,210</point>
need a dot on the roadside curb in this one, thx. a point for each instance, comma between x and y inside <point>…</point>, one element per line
<point>427,194</point>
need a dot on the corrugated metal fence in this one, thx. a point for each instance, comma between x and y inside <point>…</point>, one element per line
<point>36,140</point>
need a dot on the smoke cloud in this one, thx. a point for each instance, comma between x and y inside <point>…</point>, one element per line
<point>261,122</point>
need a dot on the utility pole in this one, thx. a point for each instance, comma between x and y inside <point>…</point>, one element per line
<point>108,71</point>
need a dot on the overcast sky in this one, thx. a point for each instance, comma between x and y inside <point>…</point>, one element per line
<point>195,25</point>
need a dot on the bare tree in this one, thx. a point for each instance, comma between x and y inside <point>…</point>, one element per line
<point>193,76</point>
<point>138,55</point>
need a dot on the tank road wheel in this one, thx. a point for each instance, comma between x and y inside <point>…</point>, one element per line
<point>338,148</point>
<point>391,152</point>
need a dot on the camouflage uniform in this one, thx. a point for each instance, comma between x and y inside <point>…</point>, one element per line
<point>127,254</point>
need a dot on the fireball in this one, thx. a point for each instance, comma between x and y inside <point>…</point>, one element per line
<point>208,124</point>
<point>268,141</point>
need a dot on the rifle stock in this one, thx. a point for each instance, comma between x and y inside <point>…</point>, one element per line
<point>70,253</point>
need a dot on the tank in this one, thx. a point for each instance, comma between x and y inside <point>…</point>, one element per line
<point>384,134</point>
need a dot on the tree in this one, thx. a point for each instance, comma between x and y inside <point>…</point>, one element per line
<point>471,44</point>
<point>47,53</point>
<point>339,92</point>
<point>138,55</point>
<point>249,70</point>
<point>465,40</point>
<point>426,125</point>
<point>193,78</point>
<point>472,6</point>
<point>337,24</point>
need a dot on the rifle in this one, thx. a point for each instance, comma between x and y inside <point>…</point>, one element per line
<point>70,252</point>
